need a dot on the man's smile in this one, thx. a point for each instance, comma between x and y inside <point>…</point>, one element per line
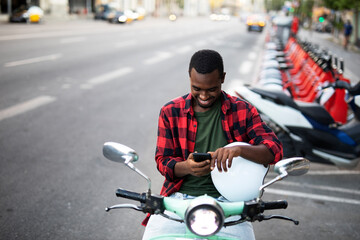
<point>205,103</point>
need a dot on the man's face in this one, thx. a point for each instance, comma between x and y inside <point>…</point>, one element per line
<point>205,89</point>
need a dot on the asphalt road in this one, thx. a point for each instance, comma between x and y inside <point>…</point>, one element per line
<point>68,87</point>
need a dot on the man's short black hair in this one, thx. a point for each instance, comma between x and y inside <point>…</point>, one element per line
<point>206,61</point>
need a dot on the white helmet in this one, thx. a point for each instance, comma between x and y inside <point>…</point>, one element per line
<point>242,181</point>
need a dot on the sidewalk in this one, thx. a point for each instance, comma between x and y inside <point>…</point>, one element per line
<point>4,18</point>
<point>351,56</point>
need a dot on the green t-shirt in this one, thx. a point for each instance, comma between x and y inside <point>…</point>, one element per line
<point>209,137</point>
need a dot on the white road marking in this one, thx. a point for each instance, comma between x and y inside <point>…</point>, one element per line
<point>320,187</point>
<point>37,35</point>
<point>107,77</point>
<point>333,172</point>
<point>184,49</point>
<point>246,67</point>
<point>312,196</point>
<point>51,57</point>
<point>72,40</point>
<point>25,106</point>
<point>159,57</point>
<point>46,34</point>
<point>252,55</point>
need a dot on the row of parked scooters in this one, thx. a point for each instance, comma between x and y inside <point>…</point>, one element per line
<point>303,96</point>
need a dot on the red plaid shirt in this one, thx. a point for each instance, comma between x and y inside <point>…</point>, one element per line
<point>177,131</point>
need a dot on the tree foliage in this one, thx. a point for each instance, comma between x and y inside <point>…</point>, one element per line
<point>275,5</point>
<point>305,9</point>
<point>342,4</point>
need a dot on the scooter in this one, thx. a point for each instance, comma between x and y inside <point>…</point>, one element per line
<point>203,216</point>
<point>307,129</point>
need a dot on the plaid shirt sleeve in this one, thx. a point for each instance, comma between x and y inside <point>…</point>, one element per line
<point>174,135</point>
<point>244,124</point>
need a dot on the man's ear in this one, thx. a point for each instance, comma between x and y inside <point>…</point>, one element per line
<point>223,77</point>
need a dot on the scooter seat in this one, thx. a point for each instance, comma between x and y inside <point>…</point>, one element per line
<point>312,110</point>
<point>277,97</point>
<point>316,112</point>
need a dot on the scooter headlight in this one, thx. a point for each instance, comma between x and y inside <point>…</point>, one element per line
<point>204,217</point>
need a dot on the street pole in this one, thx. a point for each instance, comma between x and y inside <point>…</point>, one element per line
<point>88,7</point>
<point>9,7</point>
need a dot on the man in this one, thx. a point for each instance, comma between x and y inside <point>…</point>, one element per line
<point>347,33</point>
<point>205,120</point>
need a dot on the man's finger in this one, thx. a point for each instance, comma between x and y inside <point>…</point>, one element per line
<point>224,164</point>
<point>230,159</point>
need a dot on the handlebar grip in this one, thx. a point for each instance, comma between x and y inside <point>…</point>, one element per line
<point>275,205</point>
<point>131,195</point>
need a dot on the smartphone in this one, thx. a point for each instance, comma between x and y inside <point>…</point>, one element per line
<point>199,157</point>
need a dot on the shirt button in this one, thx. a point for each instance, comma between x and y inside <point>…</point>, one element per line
<point>194,125</point>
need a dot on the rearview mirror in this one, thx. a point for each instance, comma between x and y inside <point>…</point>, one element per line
<point>295,166</point>
<point>117,152</point>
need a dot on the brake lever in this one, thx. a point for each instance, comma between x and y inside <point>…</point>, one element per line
<point>118,206</point>
<point>262,217</point>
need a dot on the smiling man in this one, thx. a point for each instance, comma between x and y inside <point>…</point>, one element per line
<point>205,120</point>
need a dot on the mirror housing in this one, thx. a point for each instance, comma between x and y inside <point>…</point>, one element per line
<point>120,153</point>
<point>295,166</point>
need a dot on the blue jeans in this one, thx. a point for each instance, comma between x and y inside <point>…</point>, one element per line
<point>159,225</point>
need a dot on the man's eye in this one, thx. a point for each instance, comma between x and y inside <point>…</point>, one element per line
<point>212,89</point>
<point>196,89</point>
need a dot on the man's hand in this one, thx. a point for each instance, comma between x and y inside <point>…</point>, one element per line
<point>223,157</point>
<point>189,166</point>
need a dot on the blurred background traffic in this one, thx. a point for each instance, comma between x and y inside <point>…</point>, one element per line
<point>318,15</point>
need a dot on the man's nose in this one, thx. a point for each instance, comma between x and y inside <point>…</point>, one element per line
<point>204,95</point>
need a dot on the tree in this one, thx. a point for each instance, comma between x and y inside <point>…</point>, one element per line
<point>275,5</point>
<point>340,5</point>
<point>305,9</point>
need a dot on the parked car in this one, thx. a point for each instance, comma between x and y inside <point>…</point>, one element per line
<point>118,17</point>
<point>255,22</point>
<point>323,27</point>
<point>103,11</point>
<point>27,14</point>
<point>131,15</point>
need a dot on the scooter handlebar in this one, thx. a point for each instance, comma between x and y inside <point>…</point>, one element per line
<point>280,204</point>
<point>131,195</point>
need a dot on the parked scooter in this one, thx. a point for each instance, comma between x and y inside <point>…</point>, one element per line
<point>301,70</point>
<point>307,129</point>
<point>203,216</point>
